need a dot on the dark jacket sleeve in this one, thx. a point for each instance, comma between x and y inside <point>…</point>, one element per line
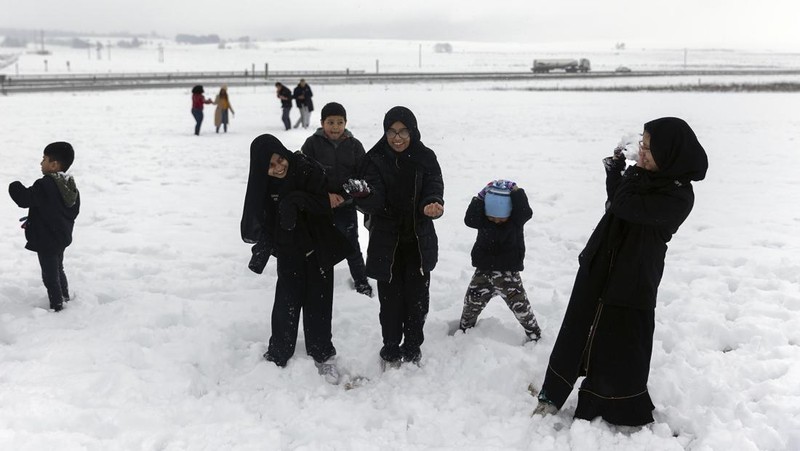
<point>308,148</point>
<point>665,207</point>
<point>432,184</point>
<point>375,203</point>
<point>25,197</point>
<point>614,169</point>
<point>521,211</point>
<point>475,217</point>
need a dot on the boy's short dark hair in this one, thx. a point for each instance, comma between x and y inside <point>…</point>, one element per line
<point>62,152</point>
<point>333,109</point>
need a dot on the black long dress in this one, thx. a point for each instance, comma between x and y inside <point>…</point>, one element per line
<point>607,332</point>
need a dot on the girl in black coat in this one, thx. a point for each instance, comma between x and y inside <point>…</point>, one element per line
<point>407,194</point>
<point>607,332</point>
<point>287,214</point>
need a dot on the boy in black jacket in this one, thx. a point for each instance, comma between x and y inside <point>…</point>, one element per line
<point>340,153</point>
<point>54,203</point>
<point>499,212</point>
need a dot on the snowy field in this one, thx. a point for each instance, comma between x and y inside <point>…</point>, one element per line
<point>380,55</point>
<point>161,349</point>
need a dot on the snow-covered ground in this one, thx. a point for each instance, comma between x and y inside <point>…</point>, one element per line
<point>162,347</point>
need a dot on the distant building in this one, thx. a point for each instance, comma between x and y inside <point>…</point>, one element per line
<point>443,47</point>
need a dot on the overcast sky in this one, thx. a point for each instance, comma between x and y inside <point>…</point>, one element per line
<point>678,23</point>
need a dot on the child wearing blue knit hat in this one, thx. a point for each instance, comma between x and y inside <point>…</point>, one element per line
<point>499,212</point>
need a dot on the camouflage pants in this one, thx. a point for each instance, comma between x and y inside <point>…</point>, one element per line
<point>506,284</point>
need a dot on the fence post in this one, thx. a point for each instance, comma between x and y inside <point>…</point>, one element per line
<point>266,71</point>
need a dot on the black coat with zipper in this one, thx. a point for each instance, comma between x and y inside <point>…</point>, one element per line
<point>402,185</point>
<point>52,212</point>
<point>340,159</point>
<point>499,247</point>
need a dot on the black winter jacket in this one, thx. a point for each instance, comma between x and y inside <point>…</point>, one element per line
<point>339,159</point>
<point>290,216</point>
<point>499,247</point>
<point>627,249</point>
<point>306,94</point>
<point>54,203</point>
<point>286,102</point>
<point>402,185</point>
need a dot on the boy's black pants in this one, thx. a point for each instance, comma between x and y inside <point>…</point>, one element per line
<point>302,286</point>
<point>404,305</point>
<point>346,220</point>
<point>54,279</point>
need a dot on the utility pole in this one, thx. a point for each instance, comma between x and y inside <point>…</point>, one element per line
<point>420,56</point>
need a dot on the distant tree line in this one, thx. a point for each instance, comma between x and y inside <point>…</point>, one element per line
<point>194,39</point>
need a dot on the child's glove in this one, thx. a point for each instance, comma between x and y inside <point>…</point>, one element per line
<point>482,192</point>
<point>504,184</point>
<point>260,257</point>
<point>357,188</point>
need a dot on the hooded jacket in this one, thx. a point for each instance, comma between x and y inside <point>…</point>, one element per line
<point>54,203</point>
<point>625,253</point>
<point>402,185</point>
<point>340,159</point>
<point>290,216</point>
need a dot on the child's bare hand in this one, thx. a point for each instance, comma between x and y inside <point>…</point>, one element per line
<point>433,210</point>
<point>335,199</point>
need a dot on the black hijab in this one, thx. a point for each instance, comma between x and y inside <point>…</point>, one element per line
<point>404,115</point>
<point>676,150</point>
<point>259,184</point>
<point>401,194</point>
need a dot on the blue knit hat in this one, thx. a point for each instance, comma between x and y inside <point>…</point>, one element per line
<point>498,202</point>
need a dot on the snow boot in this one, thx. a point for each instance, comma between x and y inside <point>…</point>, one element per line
<point>329,371</point>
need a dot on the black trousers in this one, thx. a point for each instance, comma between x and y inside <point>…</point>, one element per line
<point>346,220</point>
<point>404,305</point>
<point>285,118</point>
<point>55,281</point>
<point>198,119</point>
<point>302,287</point>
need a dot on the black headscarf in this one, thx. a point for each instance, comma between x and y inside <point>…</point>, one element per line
<point>401,195</point>
<point>404,115</point>
<point>259,184</point>
<point>676,150</point>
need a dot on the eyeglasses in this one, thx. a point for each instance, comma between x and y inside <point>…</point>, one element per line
<point>642,146</point>
<point>403,133</point>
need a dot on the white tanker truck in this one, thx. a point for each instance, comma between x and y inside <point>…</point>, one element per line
<point>568,65</point>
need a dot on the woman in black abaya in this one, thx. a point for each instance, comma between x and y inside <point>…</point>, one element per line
<point>287,214</point>
<point>607,332</point>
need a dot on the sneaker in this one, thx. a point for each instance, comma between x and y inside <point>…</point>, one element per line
<point>364,288</point>
<point>534,336</point>
<point>545,408</point>
<point>390,364</point>
<point>412,355</point>
<point>270,358</point>
<point>329,371</point>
